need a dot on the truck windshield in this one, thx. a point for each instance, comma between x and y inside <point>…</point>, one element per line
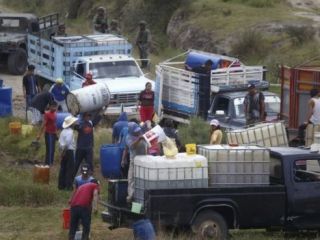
<point>116,69</point>
<point>272,105</point>
<point>13,25</point>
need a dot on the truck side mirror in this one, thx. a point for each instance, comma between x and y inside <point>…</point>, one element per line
<point>35,27</point>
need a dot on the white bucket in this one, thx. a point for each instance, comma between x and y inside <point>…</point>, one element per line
<point>155,134</point>
<point>88,99</point>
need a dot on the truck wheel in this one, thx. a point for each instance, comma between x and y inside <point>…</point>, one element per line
<point>17,62</point>
<point>210,225</point>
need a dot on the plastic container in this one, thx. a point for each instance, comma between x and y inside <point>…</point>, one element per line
<point>236,165</point>
<point>60,118</point>
<point>5,101</point>
<point>15,128</point>
<point>26,129</point>
<point>110,160</point>
<point>117,191</point>
<point>66,216</point>
<point>191,148</point>
<point>196,59</point>
<point>143,230</point>
<point>88,99</point>
<point>41,174</point>
<point>155,134</point>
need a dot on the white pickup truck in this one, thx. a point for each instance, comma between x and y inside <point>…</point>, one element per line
<point>106,56</point>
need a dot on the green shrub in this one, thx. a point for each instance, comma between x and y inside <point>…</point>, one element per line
<point>300,34</point>
<point>198,131</point>
<point>250,43</point>
<point>255,3</point>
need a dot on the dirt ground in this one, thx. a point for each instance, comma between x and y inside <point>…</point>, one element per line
<point>15,82</point>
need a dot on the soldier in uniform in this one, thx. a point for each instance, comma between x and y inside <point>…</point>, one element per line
<point>143,41</point>
<point>114,29</point>
<point>100,21</point>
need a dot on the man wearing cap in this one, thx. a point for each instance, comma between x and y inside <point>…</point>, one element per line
<point>67,148</point>
<point>30,89</point>
<point>215,133</point>
<point>59,92</point>
<point>83,200</point>
<point>84,177</point>
<point>143,42</point>
<point>135,145</point>
<point>254,106</point>
<point>100,21</point>
<point>89,81</point>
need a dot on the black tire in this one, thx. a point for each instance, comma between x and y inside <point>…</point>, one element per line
<point>210,225</point>
<point>17,62</point>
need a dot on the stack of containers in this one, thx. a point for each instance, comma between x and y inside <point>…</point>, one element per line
<point>236,165</point>
<point>264,134</point>
<point>159,172</point>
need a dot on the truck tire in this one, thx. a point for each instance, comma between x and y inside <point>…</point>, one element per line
<point>210,225</point>
<point>17,62</point>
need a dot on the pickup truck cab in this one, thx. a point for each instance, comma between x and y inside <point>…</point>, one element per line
<point>289,202</point>
<point>228,108</point>
<point>120,72</point>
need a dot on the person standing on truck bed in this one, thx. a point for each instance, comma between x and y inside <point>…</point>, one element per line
<point>135,145</point>
<point>143,42</point>
<point>100,21</point>
<point>216,133</point>
<point>146,103</point>
<point>204,87</point>
<point>30,89</point>
<point>61,32</point>
<point>313,116</point>
<point>254,106</point>
<point>59,92</point>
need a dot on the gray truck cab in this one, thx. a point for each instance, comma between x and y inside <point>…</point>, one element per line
<point>228,108</point>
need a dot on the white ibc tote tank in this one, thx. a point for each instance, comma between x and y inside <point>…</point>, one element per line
<point>88,99</point>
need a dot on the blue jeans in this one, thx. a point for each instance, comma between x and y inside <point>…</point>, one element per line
<point>83,214</point>
<point>50,140</point>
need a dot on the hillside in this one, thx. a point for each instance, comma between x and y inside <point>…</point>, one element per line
<point>268,32</point>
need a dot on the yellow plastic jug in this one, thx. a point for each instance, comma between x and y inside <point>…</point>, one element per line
<point>191,148</point>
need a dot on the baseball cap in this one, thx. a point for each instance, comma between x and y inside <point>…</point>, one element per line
<point>84,169</point>
<point>251,85</point>
<point>214,122</point>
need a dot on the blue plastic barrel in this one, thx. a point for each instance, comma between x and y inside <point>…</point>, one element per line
<point>196,59</point>
<point>5,101</point>
<point>60,118</point>
<point>110,160</point>
<point>143,230</point>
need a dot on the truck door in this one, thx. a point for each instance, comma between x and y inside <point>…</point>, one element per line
<point>78,76</point>
<point>304,194</point>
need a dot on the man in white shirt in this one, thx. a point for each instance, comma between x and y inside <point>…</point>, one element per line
<point>67,148</point>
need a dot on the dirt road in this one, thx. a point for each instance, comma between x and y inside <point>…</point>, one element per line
<point>15,82</point>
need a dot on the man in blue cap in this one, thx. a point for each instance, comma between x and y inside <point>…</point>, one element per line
<point>136,145</point>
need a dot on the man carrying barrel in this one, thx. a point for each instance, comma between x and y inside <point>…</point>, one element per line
<point>85,140</point>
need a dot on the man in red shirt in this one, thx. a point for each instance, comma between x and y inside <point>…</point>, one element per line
<point>84,199</point>
<point>50,128</point>
<point>89,81</point>
<point>146,102</point>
